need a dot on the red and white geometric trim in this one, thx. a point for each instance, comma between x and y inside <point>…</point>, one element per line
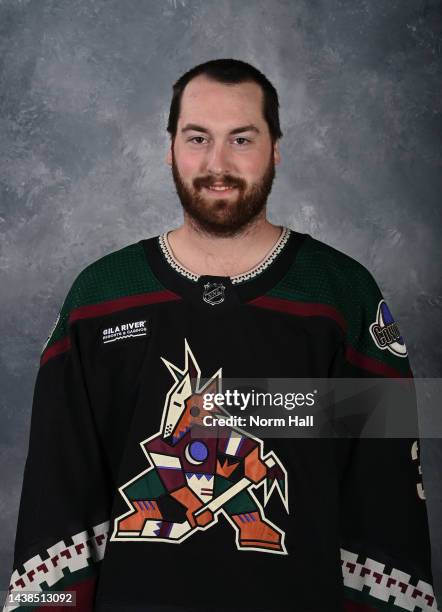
<point>384,586</point>
<point>61,557</point>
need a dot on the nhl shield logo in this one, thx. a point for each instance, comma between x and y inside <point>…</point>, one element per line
<point>214,293</point>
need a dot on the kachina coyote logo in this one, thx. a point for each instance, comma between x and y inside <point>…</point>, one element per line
<point>193,478</point>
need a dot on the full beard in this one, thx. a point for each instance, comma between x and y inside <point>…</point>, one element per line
<point>224,216</point>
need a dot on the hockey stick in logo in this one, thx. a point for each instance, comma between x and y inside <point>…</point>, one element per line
<point>270,483</point>
<point>206,478</point>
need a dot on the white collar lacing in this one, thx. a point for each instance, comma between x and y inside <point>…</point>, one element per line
<point>238,278</point>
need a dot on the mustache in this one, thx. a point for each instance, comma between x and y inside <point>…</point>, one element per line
<point>228,181</point>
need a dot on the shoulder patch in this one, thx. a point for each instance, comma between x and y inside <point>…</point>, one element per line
<point>385,332</point>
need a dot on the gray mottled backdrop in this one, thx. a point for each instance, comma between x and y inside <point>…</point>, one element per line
<point>84,91</point>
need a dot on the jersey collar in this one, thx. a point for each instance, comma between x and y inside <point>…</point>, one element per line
<point>239,288</point>
<point>238,278</point>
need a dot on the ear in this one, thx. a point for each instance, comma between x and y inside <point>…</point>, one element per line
<point>276,152</point>
<point>169,156</point>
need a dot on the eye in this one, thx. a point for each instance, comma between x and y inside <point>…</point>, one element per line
<point>195,137</point>
<point>246,140</point>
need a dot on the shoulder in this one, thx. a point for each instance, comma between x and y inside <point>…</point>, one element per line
<point>120,273</point>
<point>117,274</point>
<point>330,262</point>
<point>339,286</point>
<point>323,274</point>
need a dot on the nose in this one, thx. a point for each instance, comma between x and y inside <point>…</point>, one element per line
<point>217,160</point>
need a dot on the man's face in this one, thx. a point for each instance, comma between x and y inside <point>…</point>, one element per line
<point>222,140</point>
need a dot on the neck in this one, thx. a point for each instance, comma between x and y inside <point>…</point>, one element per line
<point>203,253</point>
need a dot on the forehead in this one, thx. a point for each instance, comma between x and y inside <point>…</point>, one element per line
<point>222,103</point>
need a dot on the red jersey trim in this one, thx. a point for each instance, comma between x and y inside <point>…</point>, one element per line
<point>304,309</point>
<point>95,310</point>
<point>312,309</point>
<point>373,365</point>
<point>58,347</point>
<point>129,301</point>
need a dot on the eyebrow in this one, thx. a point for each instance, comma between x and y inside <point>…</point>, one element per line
<point>199,128</point>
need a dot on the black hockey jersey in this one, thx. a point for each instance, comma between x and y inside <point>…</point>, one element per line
<point>125,504</point>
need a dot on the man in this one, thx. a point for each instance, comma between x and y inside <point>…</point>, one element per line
<point>126,501</point>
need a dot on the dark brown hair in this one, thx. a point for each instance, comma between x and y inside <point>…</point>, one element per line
<point>229,71</point>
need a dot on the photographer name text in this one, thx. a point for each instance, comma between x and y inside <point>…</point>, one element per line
<point>258,421</point>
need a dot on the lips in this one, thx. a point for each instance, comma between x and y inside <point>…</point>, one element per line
<point>220,188</point>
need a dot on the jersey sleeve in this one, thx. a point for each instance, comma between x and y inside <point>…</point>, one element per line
<point>385,545</point>
<point>65,501</point>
